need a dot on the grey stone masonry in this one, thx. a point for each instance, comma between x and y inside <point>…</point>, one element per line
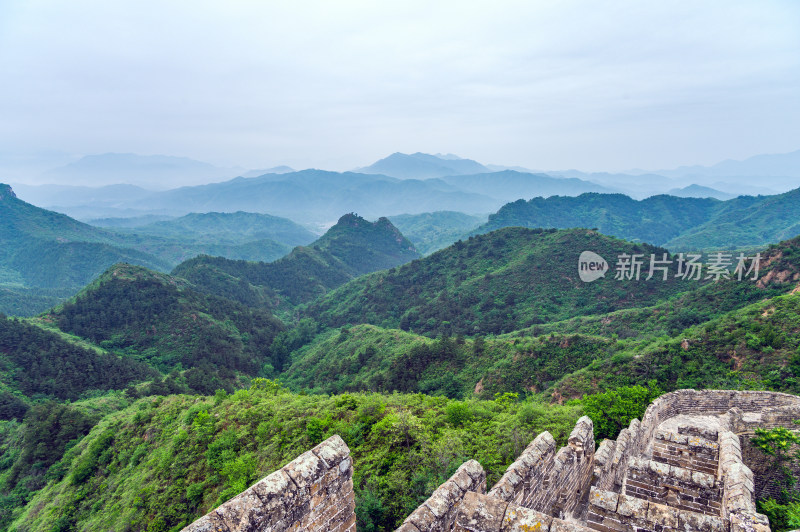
<point>314,492</point>
<point>483,513</point>
<point>438,513</point>
<point>549,481</point>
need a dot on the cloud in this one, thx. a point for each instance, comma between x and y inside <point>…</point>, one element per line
<point>339,84</point>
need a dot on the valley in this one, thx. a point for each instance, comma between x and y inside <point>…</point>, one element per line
<point>156,365</point>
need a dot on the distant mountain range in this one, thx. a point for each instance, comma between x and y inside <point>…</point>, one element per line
<point>151,171</point>
<point>314,196</point>
<point>786,165</point>
<point>423,166</point>
<point>45,256</point>
<point>680,224</point>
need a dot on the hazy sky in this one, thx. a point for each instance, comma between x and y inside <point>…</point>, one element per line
<point>338,84</point>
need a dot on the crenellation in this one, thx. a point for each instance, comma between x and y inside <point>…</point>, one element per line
<point>687,465</point>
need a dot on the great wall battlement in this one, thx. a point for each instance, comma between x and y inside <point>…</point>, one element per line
<point>687,465</point>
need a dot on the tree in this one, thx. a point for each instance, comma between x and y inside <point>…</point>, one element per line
<point>613,410</point>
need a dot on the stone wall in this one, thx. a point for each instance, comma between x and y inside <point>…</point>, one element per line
<point>612,457</point>
<point>707,403</point>
<point>484,513</point>
<point>438,513</point>
<point>682,488</point>
<point>767,476</point>
<point>612,512</point>
<point>314,492</point>
<point>551,482</point>
<point>683,467</point>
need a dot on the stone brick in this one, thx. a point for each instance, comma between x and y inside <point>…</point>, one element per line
<point>305,470</point>
<point>662,515</point>
<point>332,451</point>
<point>243,513</point>
<point>699,522</point>
<point>443,499</point>
<point>519,519</point>
<point>703,479</point>
<point>603,499</point>
<point>463,480</point>
<point>749,522</point>
<point>632,507</point>
<point>423,518</point>
<point>564,526</point>
<point>207,523</point>
<point>480,513</point>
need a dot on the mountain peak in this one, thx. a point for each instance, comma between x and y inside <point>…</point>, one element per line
<point>423,166</point>
<point>6,191</point>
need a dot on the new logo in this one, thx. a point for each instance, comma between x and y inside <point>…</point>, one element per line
<point>591,266</point>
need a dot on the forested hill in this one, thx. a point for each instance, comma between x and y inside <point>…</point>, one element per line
<point>45,249</point>
<point>39,364</point>
<point>680,224</point>
<point>350,248</point>
<point>230,227</point>
<point>501,281</point>
<point>163,321</point>
<point>654,220</point>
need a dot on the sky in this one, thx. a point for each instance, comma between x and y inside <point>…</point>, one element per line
<point>597,86</point>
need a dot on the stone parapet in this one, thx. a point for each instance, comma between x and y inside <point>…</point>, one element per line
<point>548,481</point>
<point>438,513</point>
<point>313,492</point>
<point>483,513</point>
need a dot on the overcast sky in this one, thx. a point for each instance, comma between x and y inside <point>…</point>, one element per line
<point>338,84</point>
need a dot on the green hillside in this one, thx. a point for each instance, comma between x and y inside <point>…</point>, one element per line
<point>779,273</point>
<point>164,322</point>
<point>238,235</point>
<point>754,347</point>
<point>432,231</point>
<point>654,220</point>
<point>499,282</point>
<point>162,462</point>
<point>38,365</point>
<point>238,227</point>
<point>46,256</point>
<point>350,248</point>
<point>679,224</point>
<point>369,358</point>
<point>768,219</point>
<point>44,249</point>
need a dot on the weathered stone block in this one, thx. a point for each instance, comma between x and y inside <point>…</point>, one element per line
<point>658,468</point>
<point>662,515</point>
<point>749,522</point>
<point>480,513</point>
<point>443,499</point>
<point>693,521</point>
<point>603,499</point>
<point>423,518</point>
<point>243,513</point>
<point>564,526</point>
<point>305,470</point>
<point>519,519</point>
<point>332,451</point>
<point>703,479</point>
<point>207,523</point>
<point>463,480</point>
<point>474,469</point>
<point>632,507</point>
